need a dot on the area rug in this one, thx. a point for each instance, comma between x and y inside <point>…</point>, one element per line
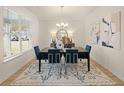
<point>63,74</point>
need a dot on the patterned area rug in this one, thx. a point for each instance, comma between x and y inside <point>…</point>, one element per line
<point>63,74</point>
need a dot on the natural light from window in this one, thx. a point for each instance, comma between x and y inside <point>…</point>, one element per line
<point>17,33</point>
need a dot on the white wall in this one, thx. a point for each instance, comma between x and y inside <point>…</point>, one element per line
<point>111,59</point>
<point>10,67</point>
<point>46,26</point>
<point>1,36</point>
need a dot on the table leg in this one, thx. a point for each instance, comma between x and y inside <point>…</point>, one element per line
<point>88,63</point>
<point>39,65</point>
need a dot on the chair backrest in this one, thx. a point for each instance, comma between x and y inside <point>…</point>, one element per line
<point>54,55</point>
<point>67,46</point>
<point>37,50</point>
<point>71,55</point>
<point>88,48</point>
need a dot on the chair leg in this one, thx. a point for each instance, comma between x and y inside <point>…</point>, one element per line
<point>39,65</point>
<point>88,64</point>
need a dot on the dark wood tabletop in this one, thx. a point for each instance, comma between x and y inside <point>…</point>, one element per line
<point>80,49</point>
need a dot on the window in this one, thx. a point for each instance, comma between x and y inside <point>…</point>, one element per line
<point>17,33</point>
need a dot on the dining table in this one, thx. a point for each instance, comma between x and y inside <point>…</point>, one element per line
<point>82,54</point>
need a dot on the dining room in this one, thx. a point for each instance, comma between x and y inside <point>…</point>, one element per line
<point>62,45</point>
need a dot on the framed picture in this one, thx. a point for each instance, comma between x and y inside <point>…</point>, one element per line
<point>111,31</point>
<point>107,31</point>
<point>95,33</point>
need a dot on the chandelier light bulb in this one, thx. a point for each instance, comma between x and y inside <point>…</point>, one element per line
<point>58,25</point>
<point>66,25</point>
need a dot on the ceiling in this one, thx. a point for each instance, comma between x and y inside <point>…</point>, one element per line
<point>53,12</point>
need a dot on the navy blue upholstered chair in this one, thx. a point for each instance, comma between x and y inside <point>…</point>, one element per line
<point>37,51</point>
<point>88,48</point>
<point>54,55</point>
<point>71,55</point>
<point>40,56</point>
<point>84,56</point>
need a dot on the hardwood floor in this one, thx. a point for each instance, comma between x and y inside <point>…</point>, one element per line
<point>109,74</point>
<point>22,69</point>
<point>8,81</point>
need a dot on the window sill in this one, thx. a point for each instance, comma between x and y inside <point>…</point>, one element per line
<point>15,56</point>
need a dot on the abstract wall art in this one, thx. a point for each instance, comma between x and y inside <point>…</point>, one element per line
<point>107,31</point>
<point>111,31</point>
<point>95,33</point>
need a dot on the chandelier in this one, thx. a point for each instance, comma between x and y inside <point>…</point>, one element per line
<point>61,25</point>
<point>61,32</point>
